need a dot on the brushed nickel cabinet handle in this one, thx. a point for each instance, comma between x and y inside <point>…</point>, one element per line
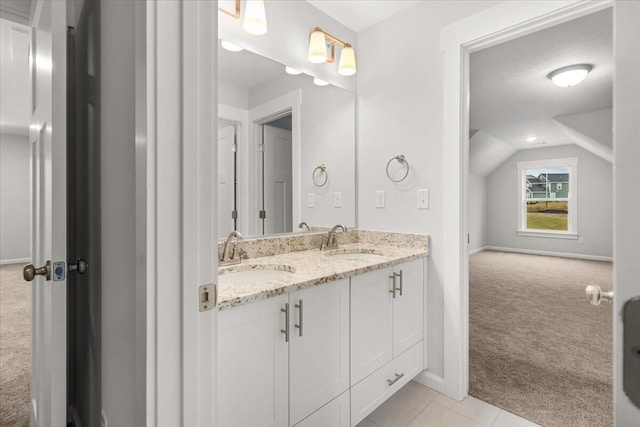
<point>285,331</point>
<point>396,379</point>
<point>394,280</point>
<point>299,306</point>
<point>393,285</point>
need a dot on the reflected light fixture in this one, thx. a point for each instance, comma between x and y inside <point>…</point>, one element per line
<point>319,43</point>
<point>571,75</point>
<point>531,139</point>
<point>319,82</point>
<point>292,71</point>
<point>255,16</point>
<point>227,45</point>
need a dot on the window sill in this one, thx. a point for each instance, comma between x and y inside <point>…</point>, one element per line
<point>547,234</point>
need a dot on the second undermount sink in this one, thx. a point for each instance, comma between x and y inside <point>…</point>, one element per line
<point>253,274</point>
<point>354,254</point>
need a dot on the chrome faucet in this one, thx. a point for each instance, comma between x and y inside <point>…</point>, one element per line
<point>304,225</point>
<point>331,243</point>
<point>225,259</point>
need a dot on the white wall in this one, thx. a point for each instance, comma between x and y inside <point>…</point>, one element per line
<point>233,96</point>
<point>595,204</point>
<point>400,102</point>
<point>15,198</point>
<point>327,136</point>
<point>477,211</point>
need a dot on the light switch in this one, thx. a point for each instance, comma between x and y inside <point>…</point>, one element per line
<point>311,201</point>
<point>423,199</point>
<point>337,199</point>
<point>380,199</point>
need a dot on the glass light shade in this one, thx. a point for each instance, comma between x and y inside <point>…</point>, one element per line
<point>570,76</point>
<point>319,82</point>
<point>347,65</point>
<point>317,48</point>
<point>255,18</point>
<point>230,46</point>
<point>292,71</point>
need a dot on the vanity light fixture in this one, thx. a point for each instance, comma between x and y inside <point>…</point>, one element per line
<point>292,71</point>
<point>571,75</point>
<point>227,45</point>
<point>255,16</point>
<point>319,82</point>
<point>320,41</point>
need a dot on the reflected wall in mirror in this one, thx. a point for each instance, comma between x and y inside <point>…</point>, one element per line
<point>274,130</point>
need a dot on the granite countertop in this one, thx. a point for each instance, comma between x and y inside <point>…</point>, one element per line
<point>314,267</point>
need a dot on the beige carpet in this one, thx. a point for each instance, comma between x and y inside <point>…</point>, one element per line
<point>15,346</point>
<point>537,349</point>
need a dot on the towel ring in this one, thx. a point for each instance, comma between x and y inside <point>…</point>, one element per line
<point>318,172</point>
<point>401,159</point>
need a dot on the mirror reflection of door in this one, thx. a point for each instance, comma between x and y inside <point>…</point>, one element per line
<point>227,178</point>
<point>276,176</point>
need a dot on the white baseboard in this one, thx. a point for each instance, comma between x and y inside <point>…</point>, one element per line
<point>431,380</point>
<point>546,253</point>
<point>15,261</point>
<point>476,250</point>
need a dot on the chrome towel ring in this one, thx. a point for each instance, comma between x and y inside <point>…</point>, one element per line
<point>320,176</point>
<point>402,160</point>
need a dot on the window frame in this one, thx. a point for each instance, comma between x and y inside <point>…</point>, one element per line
<point>572,199</point>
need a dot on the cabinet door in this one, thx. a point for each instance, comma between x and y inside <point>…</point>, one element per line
<point>253,365</point>
<point>371,327</point>
<point>333,414</point>
<point>319,347</point>
<point>408,308</point>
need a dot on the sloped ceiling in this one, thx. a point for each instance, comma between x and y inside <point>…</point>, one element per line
<point>361,14</point>
<point>512,98</point>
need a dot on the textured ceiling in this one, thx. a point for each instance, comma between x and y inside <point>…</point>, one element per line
<point>511,96</point>
<point>361,14</point>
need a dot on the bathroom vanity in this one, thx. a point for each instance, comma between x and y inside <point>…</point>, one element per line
<point>320,338</point>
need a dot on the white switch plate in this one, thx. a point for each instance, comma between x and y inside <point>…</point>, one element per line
<point>311,201</point>
<point>380,199</point>
<point>337,199</point>
<point>423,199</point>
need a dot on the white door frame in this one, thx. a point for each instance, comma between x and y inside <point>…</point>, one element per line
<point>499,24</point>
<point>175,169</point>
<point>292,102</point>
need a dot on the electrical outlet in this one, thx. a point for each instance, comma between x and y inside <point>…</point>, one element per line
<point>337,199</point>
<point>380,199</point>
<point>580,239</point>
<point>311,201</point>
<point>423,199</point>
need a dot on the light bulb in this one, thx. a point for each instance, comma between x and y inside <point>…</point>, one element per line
<point>317,48</point>
<point>255,18</point>
<point>347,65</point>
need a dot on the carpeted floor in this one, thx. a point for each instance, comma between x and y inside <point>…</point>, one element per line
<point>537,349</point>
<point>15,346</point>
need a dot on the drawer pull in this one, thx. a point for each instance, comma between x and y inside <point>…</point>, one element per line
<point>285,331</point>
<point>393,285</point>
<point>301,313</point>
<point>395,380</point>
<point>394,281</point>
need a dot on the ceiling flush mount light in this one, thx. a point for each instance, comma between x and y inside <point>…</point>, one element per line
<point>531,139</point>
<point>319,82</point>
<point>230,46</point>
<point>255,16</point>
<point>571,75</point>
<point>319,43</point>
<point>292,71</point>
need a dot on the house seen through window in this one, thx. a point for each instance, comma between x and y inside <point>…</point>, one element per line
<point>548,196</point>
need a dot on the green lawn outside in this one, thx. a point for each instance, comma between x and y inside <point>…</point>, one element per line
<point>533,206</point>
<point>547,221</point>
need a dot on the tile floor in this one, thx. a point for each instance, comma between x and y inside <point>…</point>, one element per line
<point>417,406</point>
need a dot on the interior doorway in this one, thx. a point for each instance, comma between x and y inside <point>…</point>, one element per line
<point>540,224</point>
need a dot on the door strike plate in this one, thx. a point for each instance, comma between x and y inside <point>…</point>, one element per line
<point>207,297</point>
<point>59,270</point>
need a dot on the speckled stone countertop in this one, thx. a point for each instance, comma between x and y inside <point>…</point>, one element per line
<point>311,267</point>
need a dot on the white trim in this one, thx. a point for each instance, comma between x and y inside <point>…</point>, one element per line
<point>15,261</point>
<point>431,380</point>
<point>476,250</point>
<point>501,23</point>
<point>548,234</point>
<point>545,253</point>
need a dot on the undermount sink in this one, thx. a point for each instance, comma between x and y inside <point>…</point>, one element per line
<point>357,254</point>
<point>253,274</point>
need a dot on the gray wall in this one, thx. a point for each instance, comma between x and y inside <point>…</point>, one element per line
<point>15,198</point>
<point>595,204</point>
<point>477,211</point>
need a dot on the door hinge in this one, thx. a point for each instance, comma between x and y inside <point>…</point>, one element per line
<point>207,296</point>
<point>263,214</point>
<point>261,148</point>
<point>234,147</point>
<point>234,214</point>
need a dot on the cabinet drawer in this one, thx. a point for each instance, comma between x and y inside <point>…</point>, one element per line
<point>372,391</point>
<point>334,414</point>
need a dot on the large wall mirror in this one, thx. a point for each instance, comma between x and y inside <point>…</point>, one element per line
<point>286,149</point>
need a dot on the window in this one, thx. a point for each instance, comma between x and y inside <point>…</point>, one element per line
<point>548,198</point>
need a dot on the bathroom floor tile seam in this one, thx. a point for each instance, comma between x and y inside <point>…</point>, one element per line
<point>433,409</point>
